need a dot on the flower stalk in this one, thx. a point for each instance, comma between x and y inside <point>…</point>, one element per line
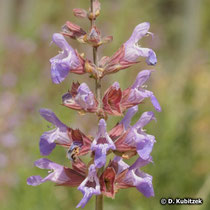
<point>99,202</point>
<point>95,60</point>
<point>97,80</point>
<point>99,198</point>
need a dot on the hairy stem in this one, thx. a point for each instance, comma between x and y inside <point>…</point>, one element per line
<point>95,55</point>
<point>99,198</point>
<point>98,91</point>
<point>98,81</point>
<point>95,60</point>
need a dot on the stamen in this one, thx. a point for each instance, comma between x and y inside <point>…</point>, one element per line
<point>50,171</point>
<point>150,34</point>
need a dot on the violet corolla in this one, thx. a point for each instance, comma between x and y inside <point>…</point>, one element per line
<point>58,174</point>
<point>138,93</point>
<point>101,145</point>
<point>90,186</point>
<point>133,50</point>
<point>80,98</point>
<point>67,60</point>
<point>58,135</point>
<point>138,138</point>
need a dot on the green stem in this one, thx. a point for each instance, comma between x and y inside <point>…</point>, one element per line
<point>98,91</point>
<point>99,202</point>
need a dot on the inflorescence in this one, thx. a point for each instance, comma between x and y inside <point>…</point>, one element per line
<point>124,140</point>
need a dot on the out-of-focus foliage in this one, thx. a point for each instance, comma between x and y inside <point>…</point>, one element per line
<point>181,83</point>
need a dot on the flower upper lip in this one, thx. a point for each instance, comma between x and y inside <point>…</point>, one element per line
<point>139,32</point>
<point>133,50</point>
<point>65,61</point>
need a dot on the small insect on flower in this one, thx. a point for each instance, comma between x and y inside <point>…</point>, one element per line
<point>73,152</point>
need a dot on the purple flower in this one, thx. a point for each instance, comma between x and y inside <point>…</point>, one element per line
<point>127,118</point>
<point>133,50</point>
<point>135,177</point>
<point>66,60</point>
<point>121,165</point>
<point>142,181</point>
<point>138,93</point>
<point>85,98</point>
<point>138,138</point>
<point>80,98</point>
<point>101,144</point>
<point>59,135</point>
<point>89,187</point>
<point>57,173</point>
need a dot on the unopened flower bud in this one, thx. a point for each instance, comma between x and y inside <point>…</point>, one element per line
<point>94,37</point>
<point>81,13</point>
<point>72,30</point>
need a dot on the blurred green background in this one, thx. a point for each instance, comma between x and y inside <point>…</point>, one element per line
<point>181,83</point>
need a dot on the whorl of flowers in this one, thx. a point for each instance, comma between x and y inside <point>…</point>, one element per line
<point>101,176</point>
